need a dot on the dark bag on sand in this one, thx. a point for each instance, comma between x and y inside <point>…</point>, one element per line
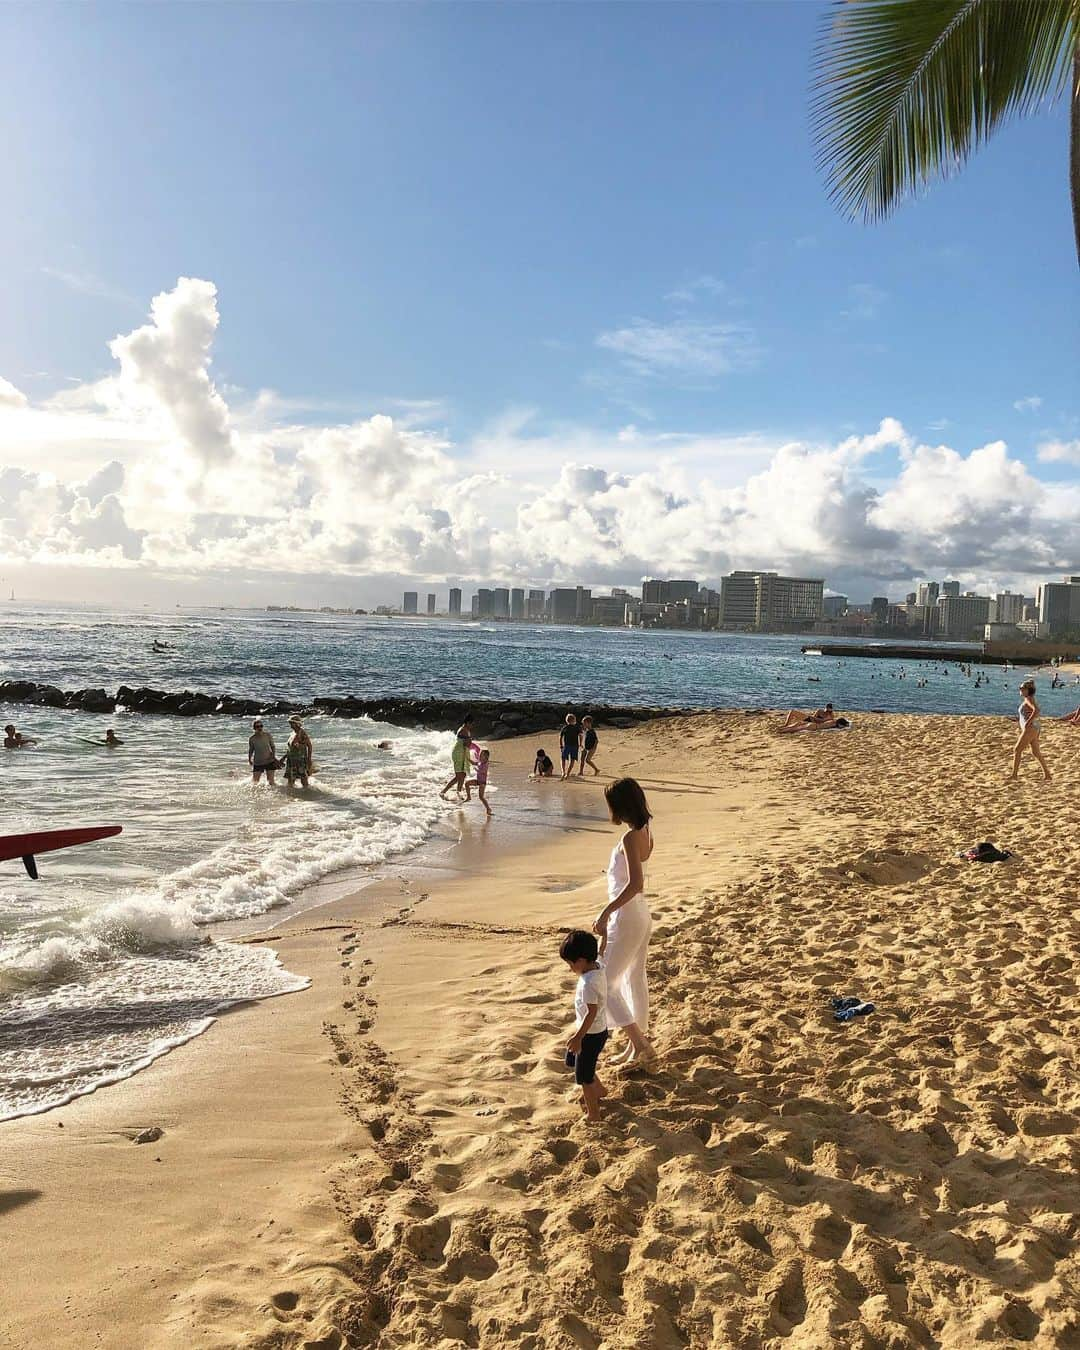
<point>986,853</point>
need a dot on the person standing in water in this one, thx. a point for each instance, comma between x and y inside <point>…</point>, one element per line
<point>1028,716</point>
<point>480,782</point>
<point>262,756</point>
<point>624,925</point>
<point>460,758</point>
<point>298,754</point>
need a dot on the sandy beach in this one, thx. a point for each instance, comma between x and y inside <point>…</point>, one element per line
<point>395,1157</point>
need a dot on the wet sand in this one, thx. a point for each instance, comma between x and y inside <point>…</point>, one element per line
<point>396,1157</point>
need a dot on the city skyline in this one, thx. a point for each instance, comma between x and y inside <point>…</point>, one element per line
<point>768,601</point>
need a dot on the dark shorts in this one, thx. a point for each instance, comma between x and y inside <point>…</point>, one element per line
<point>585,1065</point>
<point>569,752</point>
<point>264,768</point>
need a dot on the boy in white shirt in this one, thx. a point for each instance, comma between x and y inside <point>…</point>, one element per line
<point>579,950</point>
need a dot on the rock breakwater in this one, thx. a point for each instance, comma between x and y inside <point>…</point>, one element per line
<point>491,719</point>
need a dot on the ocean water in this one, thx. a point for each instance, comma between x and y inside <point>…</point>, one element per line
<point>122,949</point>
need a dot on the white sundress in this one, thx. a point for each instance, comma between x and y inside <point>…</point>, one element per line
<point>629,929</point>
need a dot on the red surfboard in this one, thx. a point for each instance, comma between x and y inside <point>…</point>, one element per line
<point>24,846</point>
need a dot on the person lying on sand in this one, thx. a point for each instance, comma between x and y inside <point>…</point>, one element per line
<point>1072,718</point>
<point>810,721</point>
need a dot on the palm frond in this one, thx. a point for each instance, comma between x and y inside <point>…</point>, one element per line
<point>906,89</point>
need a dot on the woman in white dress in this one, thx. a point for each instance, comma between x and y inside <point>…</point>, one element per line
<point>624,925</point>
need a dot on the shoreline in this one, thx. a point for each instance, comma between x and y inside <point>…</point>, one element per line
<point>395,1156</point>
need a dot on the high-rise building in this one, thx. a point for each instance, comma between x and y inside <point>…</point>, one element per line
<point>431,602</point>
<point>536,604</point>
<point>879,609</point>
<point>454,602</point>
<point>609,610</point>
<point>409,603</point>
<point>832,606</point>
<point>678,591</point>
<point>657,592</point>
<point>963,616</point>
<point>767,600</point>
<point>474,606</point>
<point>562,604</point>
<point>584,604</point>
<point>927,593</point>
<point>500,603</point>
<point>1059,606</point>
<point>517,603</point>
<point>1007,608</point>
<point>950,588</point>
<point>485,603</point>
<point>739,600</point>
<point>912,598</point>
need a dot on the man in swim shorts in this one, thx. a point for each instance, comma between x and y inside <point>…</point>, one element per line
<point>262,756</point>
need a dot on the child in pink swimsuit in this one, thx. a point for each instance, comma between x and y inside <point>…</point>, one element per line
<point>480,781</point>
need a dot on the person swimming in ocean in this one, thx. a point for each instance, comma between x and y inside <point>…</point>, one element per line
<point>15,740</point>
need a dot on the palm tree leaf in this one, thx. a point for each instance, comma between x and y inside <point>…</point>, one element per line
<point>906,89</point>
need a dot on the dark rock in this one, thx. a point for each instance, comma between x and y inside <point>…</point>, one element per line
<point>149,1136</point>
<point>92,700</point>
<point>48,696</point>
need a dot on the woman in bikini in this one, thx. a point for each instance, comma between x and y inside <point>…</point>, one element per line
<point>1028,716</point>
<point>624,925</point>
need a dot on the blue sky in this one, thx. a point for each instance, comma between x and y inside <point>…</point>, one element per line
<point>557,220</point>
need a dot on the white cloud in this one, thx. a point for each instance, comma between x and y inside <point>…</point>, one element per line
<point>691,291</point>
<point>87,283</point>
<point>164,368</point>
<point>683,348</point>
<point>1032,403</point>
<point>864,301</point>
<point>150,468</point>
<point>1059,452</point>
<point>10,397</point>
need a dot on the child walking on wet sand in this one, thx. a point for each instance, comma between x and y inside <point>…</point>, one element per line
<point>580,950</point>
<point>480,781</point>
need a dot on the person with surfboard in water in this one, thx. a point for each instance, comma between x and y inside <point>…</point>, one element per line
<point>112,740</point>
<point>15,740</point>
